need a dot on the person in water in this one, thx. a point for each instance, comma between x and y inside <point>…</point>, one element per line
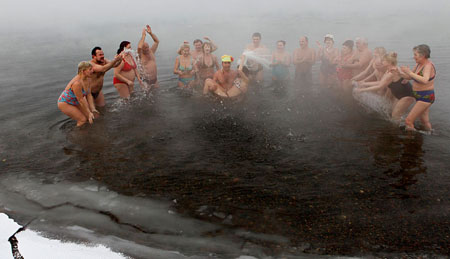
<point>100,66</point>
<point>206,64</point>
<point>126,72</point>
<point>76,100</point>
<point>344,74</point>
<point>184,68</point>
<point>281,61</point>
<point>361,58</point>
<point>198,47</point>
<point>261,51</point>
<point>423,76</point>
<point>374,70</point>
<point>328,56</point>
<point>147,58</point>
<point>400,93</point>
<point>303,59</point>
<point>239,85</point>
<point>224,77</point>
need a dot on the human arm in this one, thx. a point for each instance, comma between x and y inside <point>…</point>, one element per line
<point>421,79</point>
<point>362,61</point>
<point>119,76</point>
<point>176,71</point>
<point>154,38</point>
<point>213,45</point>
<point>364,73</point>
<point>241,67</point>
<point>384,82</point>
<point>77,89</point>
<point>109,64</point>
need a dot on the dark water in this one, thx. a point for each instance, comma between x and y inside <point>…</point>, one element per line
<point>308,171</point>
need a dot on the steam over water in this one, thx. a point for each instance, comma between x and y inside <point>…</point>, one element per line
<point>303,172</point>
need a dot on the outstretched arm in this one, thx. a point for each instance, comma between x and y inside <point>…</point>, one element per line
<point>104,68</point>
<point>385,81</point>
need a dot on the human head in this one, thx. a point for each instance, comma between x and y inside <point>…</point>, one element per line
<point>83,66</point>
<point>145,48</point>
<point>361,43</point>
<point>390,58</point>
<point>281,44</point>
<point>423,50</point>
<point>226,62</point>
<point>185,50</point>
<point>206,47</point>
<point>256,37</point>
<point>303,42</point>
<point>347,45</point>
<point>379,51</point>
<point>328,37</point>
<point>198,44</point>
<point>98,55</point>
<point>123,45</point>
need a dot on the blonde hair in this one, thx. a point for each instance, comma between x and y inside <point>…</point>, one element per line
<point>391,58</point>
<point>380,50</point>
<point>183,46</point>
<point>83,65</point>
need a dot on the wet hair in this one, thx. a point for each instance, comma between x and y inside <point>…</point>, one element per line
<point>122,45</point>
<point>423,50</point>
<point>282,41</point>
<point>380,50</point>
<point>348,43</point>
<point>256,34</point>
<point>198,40</point>
<point>83,65</point>
<point>391,57</point>
<point>94,50</point>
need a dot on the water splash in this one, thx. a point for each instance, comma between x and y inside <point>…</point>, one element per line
<point>262,59</point>
<point>372,102</point>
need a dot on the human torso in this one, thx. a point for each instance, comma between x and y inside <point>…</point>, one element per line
<point>97,78</point>
<point>418,86</point>
<point>128,68</point>
<point>149,64</point>
<point>185,66</point>
<point>225,79</point>
<point>206,65</point>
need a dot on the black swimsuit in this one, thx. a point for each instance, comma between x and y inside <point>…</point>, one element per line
<point>400,90</point>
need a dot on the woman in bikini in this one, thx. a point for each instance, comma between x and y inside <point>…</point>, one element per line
<point>126,72</point>
<point>239,86</point>
<point>184,68</point>
<point>423,76</point>
<point>206,63</point>
<point>399,92</point>
<point>345,74</point>
<point>76,100</point>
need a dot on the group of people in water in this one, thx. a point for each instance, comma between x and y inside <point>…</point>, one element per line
<point>358,70</point>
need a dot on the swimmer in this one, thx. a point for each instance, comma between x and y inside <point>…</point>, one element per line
<point>362,57</point>
<point>392,80</point>
<point>255,68</point>
<point>344,74</point>
<point>303,59</point>
<point>328,55</point>
<point>100,66</point>
<point>126,72</point>
<point>147,58</point>
<point>423,76</point>
<point>374,70</point>
<point>239,85</point>
<point>76,100</point>
<point>184,68</point>
<point>206,64</point>
<point>281,61</point>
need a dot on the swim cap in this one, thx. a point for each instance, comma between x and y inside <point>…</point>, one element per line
<point>227,58</point>
<point>330,36</point>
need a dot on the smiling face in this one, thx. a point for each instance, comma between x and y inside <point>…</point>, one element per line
<point>419,58</point>
<point>256,41</point>
<point>198,46</point>
<point>99,56</point>
<point>346,50</point>
<point>329,42</point>
<point>226,66</point>
<point>207,49</point>
<point>186,51</point>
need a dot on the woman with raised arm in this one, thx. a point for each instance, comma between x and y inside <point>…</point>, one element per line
<point>76,100</point>
<point>206,63</point>
<point>184,67</point>
<point>423,76</point>
<point>126,72</point>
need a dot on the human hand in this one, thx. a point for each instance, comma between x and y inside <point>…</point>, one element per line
<point>207,38</point>
<point>91,118</point>
<point>130,83</point>
<point>405,69</point>
<point>148,29</point>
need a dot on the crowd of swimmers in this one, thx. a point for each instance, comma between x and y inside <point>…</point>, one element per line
<point>352,68</point>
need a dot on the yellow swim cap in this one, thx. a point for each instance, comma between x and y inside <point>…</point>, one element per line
<point>227,58</point>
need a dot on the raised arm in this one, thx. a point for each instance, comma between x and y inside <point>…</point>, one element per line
<point>213,45</point>
<point>154,38</point>
<point>142,40</point>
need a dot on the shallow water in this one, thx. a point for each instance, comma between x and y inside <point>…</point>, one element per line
<point>302,171</point>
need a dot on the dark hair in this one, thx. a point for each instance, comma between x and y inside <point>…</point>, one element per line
<point>306,38</point>
<point>122,45</point>
<point>282,41</point>
<point>423,50</point>
<point>198,40</point>
<point>348,43</point>
<point>244,69</point>
<point>256,34</point>
<point>94,50</point>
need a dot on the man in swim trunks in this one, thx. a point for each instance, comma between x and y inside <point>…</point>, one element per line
<point>256,69</point>
<point>225,77</point>
<point>100,66</point>
<point>147,57</point>
<point>303,59</point>
<point>362,57</point>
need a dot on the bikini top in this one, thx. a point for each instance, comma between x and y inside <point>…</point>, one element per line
<point>127,66</point>
<point>182,68</point>
<point>204,65</point>
<point>421,73</point>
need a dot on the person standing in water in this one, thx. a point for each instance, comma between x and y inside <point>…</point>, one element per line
<point>344,73</point>
<point>402,93</point>
<point>281,61</point>
<point>206,64</point>
<point>238,86</point>
<point>374,70</point>
<point>328,56</point>
<point>184,68</point>
<point>100,66</point>
<point>147,58</point>
<point>224,77</point>
<point>423,76</point>
<point>198,47</point>
<point>76,100</point>
<point>361,58</point>
<point>303,59</point>
<point>126,72</point>
<point>260,51</point>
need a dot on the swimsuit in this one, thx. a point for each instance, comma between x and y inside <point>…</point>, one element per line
<point>68,96</point>
<point>400,90</point>
<point>424,96</point>
<point>126,67</point>
<point>326,67</point>
<point>344,73</point>
<point>280,71</point>
<point>95,95</point>
<point>237,83</point>
<point>186,80</point>
<point>421,73</point>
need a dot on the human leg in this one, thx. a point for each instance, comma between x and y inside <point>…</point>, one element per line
<point>100,100</point>
<point>123,90</point>
<point>419,108</point>
<point>400,107</point>
<point>73,112</point>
